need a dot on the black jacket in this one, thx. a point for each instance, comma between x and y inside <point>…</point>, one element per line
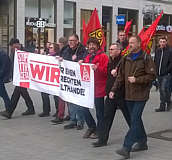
<point>113,63</point>
<point>5,67</point>
<point>163,61</point>
<point>67,53</point>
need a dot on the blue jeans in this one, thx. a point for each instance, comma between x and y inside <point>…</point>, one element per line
<point>136,132</point>
<point>4,95</point>
<point>99,104</point>
<point>164,89</point>
<point>76,114</point>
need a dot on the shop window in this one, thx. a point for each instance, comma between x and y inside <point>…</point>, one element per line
<point>40,21</point>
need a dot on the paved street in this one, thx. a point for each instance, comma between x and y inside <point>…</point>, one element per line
<point>35,138</point>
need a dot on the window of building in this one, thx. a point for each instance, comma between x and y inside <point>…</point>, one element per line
<point>85,15</point>
<point>7,22</point>
<point>69,18</point>
<point>129,14</point>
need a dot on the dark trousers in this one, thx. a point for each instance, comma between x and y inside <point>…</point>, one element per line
<point>19,91</point>
<point>111,105</point>
<point>164,89</point>
<point>99,104</point>
<point>46,102</point>
<point>4,95</point>
<point>136,132</point>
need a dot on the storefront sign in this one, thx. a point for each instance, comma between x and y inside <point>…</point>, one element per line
<point>39,23</point>
<point>164,28</point>
<point>72,82</point>
<point>120,20</point>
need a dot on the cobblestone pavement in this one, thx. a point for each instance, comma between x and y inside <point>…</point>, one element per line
<point>35,138</point>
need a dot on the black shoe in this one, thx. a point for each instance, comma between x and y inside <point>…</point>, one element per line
<point>5,114</point>
<point>123,152</point>
<point>160,109</point>
<point>80,127</point>
<point>44,114</point>
<point>57,120</point>
<point>88,132</point>
<point>99,144</point>
<point>169,106</point>
<point>28,112</point>
<point>70,126</point>
<point>139,147</point>
<point>67,118</point>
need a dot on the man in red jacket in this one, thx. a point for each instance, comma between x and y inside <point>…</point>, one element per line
<point>99,60</point>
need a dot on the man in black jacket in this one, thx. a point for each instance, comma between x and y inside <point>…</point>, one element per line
<point>18,91</point>
<point>74,51</point>
<point>5,71</point>
<point>163,62</point>
<point>111,105</point>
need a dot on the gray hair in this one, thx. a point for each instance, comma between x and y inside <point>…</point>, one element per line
<point>119,46</point>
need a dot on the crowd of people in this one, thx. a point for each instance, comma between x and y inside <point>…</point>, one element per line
<point>121,82</point>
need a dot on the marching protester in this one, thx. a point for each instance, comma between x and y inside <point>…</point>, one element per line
<point>137,71</point>
<point>18,91</point>
<point>53,50</point>
<point>5,74</point>
<point>111,105</point>
<point>59,117</point>
<point>122,39</point>
<point>74,51</point>
<point>99,59</point>
<point>163,62</point>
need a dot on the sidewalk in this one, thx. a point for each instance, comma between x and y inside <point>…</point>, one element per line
<point>35,138</point>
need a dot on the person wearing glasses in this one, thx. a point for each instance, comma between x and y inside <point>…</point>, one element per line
<point>74,51</point>
<point>53,50</point>
<point>111,105</point>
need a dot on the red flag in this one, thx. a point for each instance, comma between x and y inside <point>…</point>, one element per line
<point>127,27</point>
<point>84,33</point>
<point>148,34</point>
<point>94,29</point>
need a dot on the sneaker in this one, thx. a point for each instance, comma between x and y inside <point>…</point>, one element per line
<point>88,132</point>
<point>5,114</point>
<point>44,114</point>
<point>123,152</point>
<point>139,147</point>
<point>57,120</point>
<point>28,112</point>
<point>99,144</point>
<point>70,126</point>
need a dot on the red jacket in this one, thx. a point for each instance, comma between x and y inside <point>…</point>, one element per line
<point>100,74</point>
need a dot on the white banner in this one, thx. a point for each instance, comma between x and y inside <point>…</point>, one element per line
<point>72,82</point>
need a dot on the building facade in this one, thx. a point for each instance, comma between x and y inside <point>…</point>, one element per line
<point>47,20</point>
